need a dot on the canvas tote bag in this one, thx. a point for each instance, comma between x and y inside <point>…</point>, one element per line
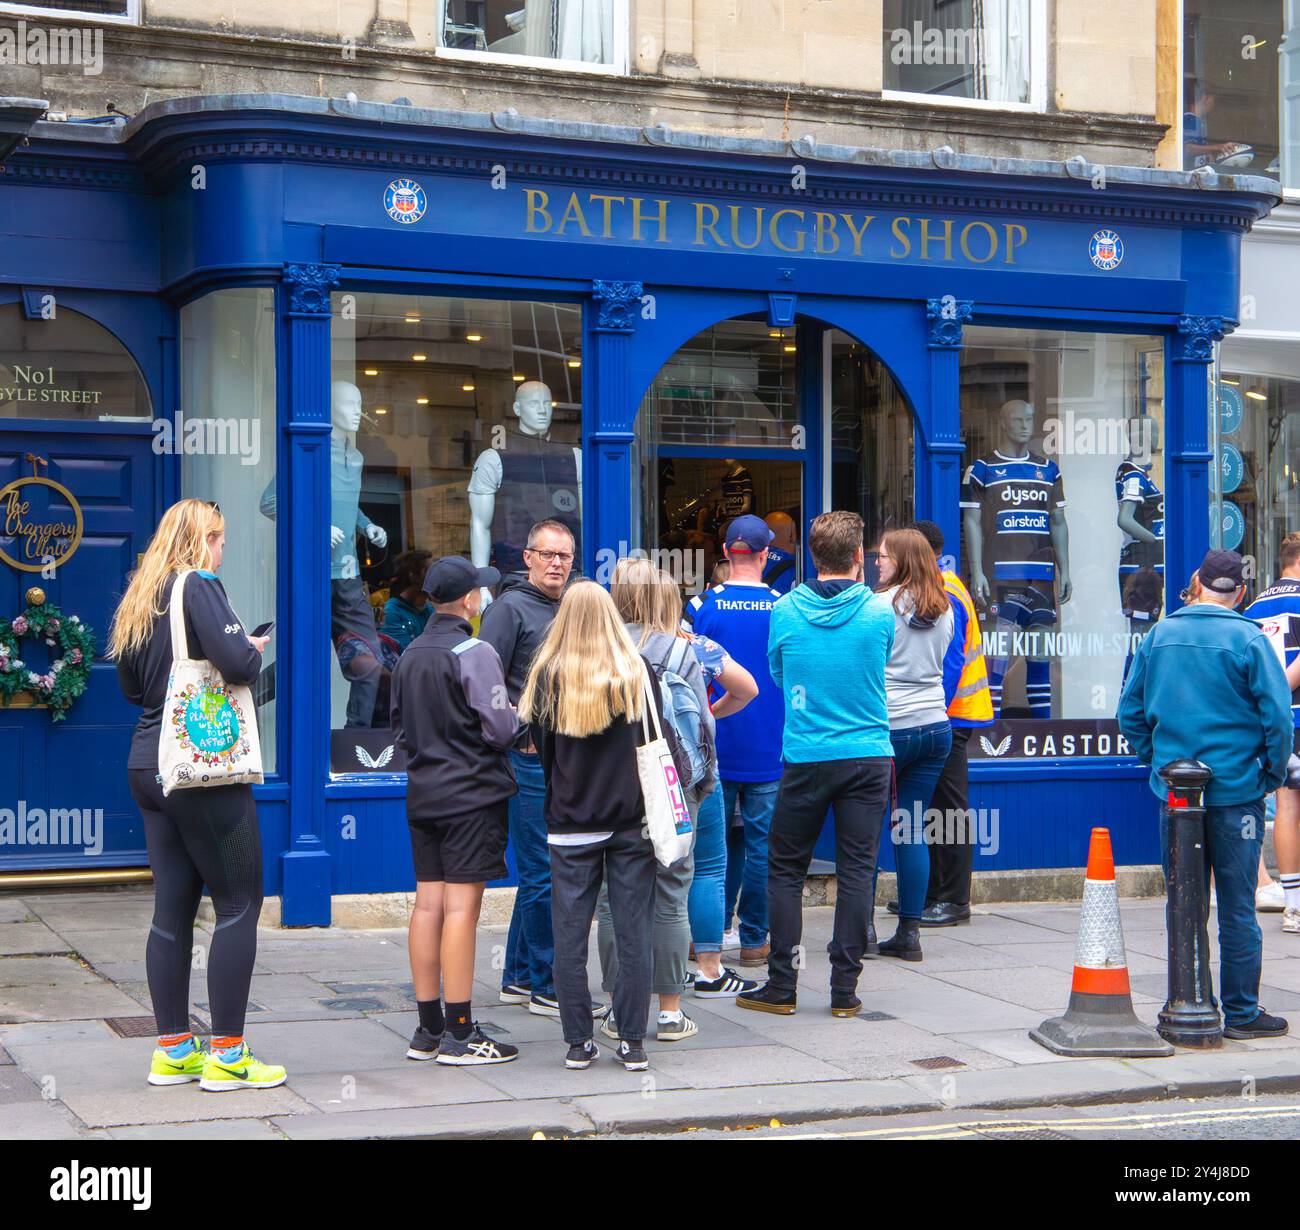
<point>668,821</point>
<point>209,728</point>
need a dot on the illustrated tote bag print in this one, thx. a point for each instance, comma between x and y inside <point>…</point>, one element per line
<point>667,819</point>
<point>209,729</point>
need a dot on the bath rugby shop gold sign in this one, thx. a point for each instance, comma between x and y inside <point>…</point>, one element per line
<point>32,540</point>
<point>817,232</point>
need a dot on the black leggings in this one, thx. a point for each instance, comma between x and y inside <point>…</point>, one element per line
<point>205,835</point>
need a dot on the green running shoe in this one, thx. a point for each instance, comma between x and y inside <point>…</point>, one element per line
<point>168,1071</point>
<point>245,1072</point>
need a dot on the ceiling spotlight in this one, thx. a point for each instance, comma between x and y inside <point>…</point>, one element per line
<point>381,409</point>
<point>518,379</point>
<point>419,358</point>
<point>473,337</point>
<point>1257,394</point>
<point>421,401</point>
<point>372,371</point>
<point>467,388</point>
<point>790,348</point>
<point>575,362</point>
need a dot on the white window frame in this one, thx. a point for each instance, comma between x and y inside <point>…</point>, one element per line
<point>16,8</point>
<point>618,68</point>
<point>1038,26</point>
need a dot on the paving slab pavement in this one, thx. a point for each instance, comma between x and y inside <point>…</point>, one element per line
<point>337,1008</point>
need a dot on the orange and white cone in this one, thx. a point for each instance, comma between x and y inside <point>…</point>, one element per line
<point>1100,1018</point>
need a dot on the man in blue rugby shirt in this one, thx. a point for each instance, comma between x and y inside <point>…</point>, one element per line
<point>737,615</point>
<point>1277,611</point>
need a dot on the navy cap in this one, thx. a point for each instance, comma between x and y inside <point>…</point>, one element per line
<point>452,577</point>
<point>749,535</point>
<point>1222,571</point>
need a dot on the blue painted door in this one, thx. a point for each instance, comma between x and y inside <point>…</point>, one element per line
<point>73,772</point>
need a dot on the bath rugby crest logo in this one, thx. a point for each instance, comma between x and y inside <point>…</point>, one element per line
<point>1106,249</point>
<point>405,201</point>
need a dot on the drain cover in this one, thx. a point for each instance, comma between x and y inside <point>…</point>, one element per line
<point>354,1003</point>
<point>1029,1134</point>
<point>936,1062</point>
<point>875,1016</point>
<point>145,1026</point>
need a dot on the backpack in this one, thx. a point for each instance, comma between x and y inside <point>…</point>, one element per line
<point>682,712</point>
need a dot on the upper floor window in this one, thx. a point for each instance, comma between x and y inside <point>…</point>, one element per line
<point>1241,79</point>
<point>986,52</point>
<point>577,32</point>
<point>99,10</point>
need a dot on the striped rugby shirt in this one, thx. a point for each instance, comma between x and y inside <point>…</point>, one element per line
<point>1133,482</point>
<point>1016,496</point>
<point>1277,611</point>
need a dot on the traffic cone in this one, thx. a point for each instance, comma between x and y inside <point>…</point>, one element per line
<point>1100,1018</point>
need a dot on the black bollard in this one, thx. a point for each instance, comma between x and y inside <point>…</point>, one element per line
<point>1189,1017</point>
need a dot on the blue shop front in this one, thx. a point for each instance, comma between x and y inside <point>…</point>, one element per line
<point>373,334</point>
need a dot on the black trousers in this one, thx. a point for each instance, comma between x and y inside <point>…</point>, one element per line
<point>950,865</point>
<point>859,791</point>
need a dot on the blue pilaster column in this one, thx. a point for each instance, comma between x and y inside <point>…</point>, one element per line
<point>1187,481</point>
<point>939,471</point>
<point>608,478</point>
<point>304,501</point>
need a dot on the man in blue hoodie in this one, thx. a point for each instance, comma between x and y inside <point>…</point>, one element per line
<point>827,648</point>
<point>1206,685</point>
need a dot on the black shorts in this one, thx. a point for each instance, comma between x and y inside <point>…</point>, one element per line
<point>464,849</point>
<point>1022,603</point>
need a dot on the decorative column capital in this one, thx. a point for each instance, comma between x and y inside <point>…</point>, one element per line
<point>309,288</point>
<point>1194,342</point>
<point>617,305</point>
<point>947,316</point>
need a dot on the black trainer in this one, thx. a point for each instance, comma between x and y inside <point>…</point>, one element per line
<point>478,1048</point>
<point>845,1003</point>
<point>632,1056</point>
<point>582,1054</point>
<point>424,1045</point>
<point>1263,1026</point>
<point>768,999</point>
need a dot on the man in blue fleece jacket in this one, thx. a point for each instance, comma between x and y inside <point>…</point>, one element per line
<point>1206,685</point>
<point>827,648</point>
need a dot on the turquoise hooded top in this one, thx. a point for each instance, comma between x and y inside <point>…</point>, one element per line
<point>828,655</point>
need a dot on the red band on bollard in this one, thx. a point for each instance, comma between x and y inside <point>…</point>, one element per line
<point>1175,801</point>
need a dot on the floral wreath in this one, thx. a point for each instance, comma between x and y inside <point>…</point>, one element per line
<point>69,671</point>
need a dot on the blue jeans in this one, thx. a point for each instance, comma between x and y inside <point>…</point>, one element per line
<point>708,889</point>
<point>1234,838</point>
<point>757,802</point>
<point>530,945</point>
<point>919,756</point>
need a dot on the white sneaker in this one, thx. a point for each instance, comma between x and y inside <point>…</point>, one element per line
<point>1291,922</point>
<point>731,939</point>
<point>1270,899</point>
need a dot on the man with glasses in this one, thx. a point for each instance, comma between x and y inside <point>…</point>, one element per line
<point>514,626</point>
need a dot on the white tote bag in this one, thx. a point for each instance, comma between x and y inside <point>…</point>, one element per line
<point>667,819</point>
<point>209,727</point>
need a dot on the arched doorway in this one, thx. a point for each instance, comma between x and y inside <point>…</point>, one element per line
<point>781,421</point>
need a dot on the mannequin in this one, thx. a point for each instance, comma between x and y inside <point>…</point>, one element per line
<point>1141,518</point>
<point>1014,522</point>
<point>350,610</point>
<point>530,479</point>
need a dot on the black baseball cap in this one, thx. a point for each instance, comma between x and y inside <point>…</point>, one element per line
<point>1221,571</point>
<point>452,577</point>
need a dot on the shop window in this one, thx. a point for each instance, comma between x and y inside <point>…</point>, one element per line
<point>59,364</point>
<point>457,425</point>
<point>225,435</point>
<point>974,50</point>
<point>1062,527</point>
<point>573,31</point>
<point>1239,77</point>
<point>1255,498</point>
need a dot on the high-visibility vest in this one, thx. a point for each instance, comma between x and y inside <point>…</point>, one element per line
<point>972,703</point>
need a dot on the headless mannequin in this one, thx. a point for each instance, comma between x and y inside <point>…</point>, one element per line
<point>1141,593</point>
<point>1015,430</point>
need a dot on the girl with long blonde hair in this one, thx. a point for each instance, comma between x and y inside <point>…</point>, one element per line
<point>585,699</point>
<point>204,835</point>
<point>691,896</point>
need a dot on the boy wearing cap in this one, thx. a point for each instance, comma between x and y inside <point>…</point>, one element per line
<point>737,615</point>
<point>452,717</point>
<point>1206,685</point>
